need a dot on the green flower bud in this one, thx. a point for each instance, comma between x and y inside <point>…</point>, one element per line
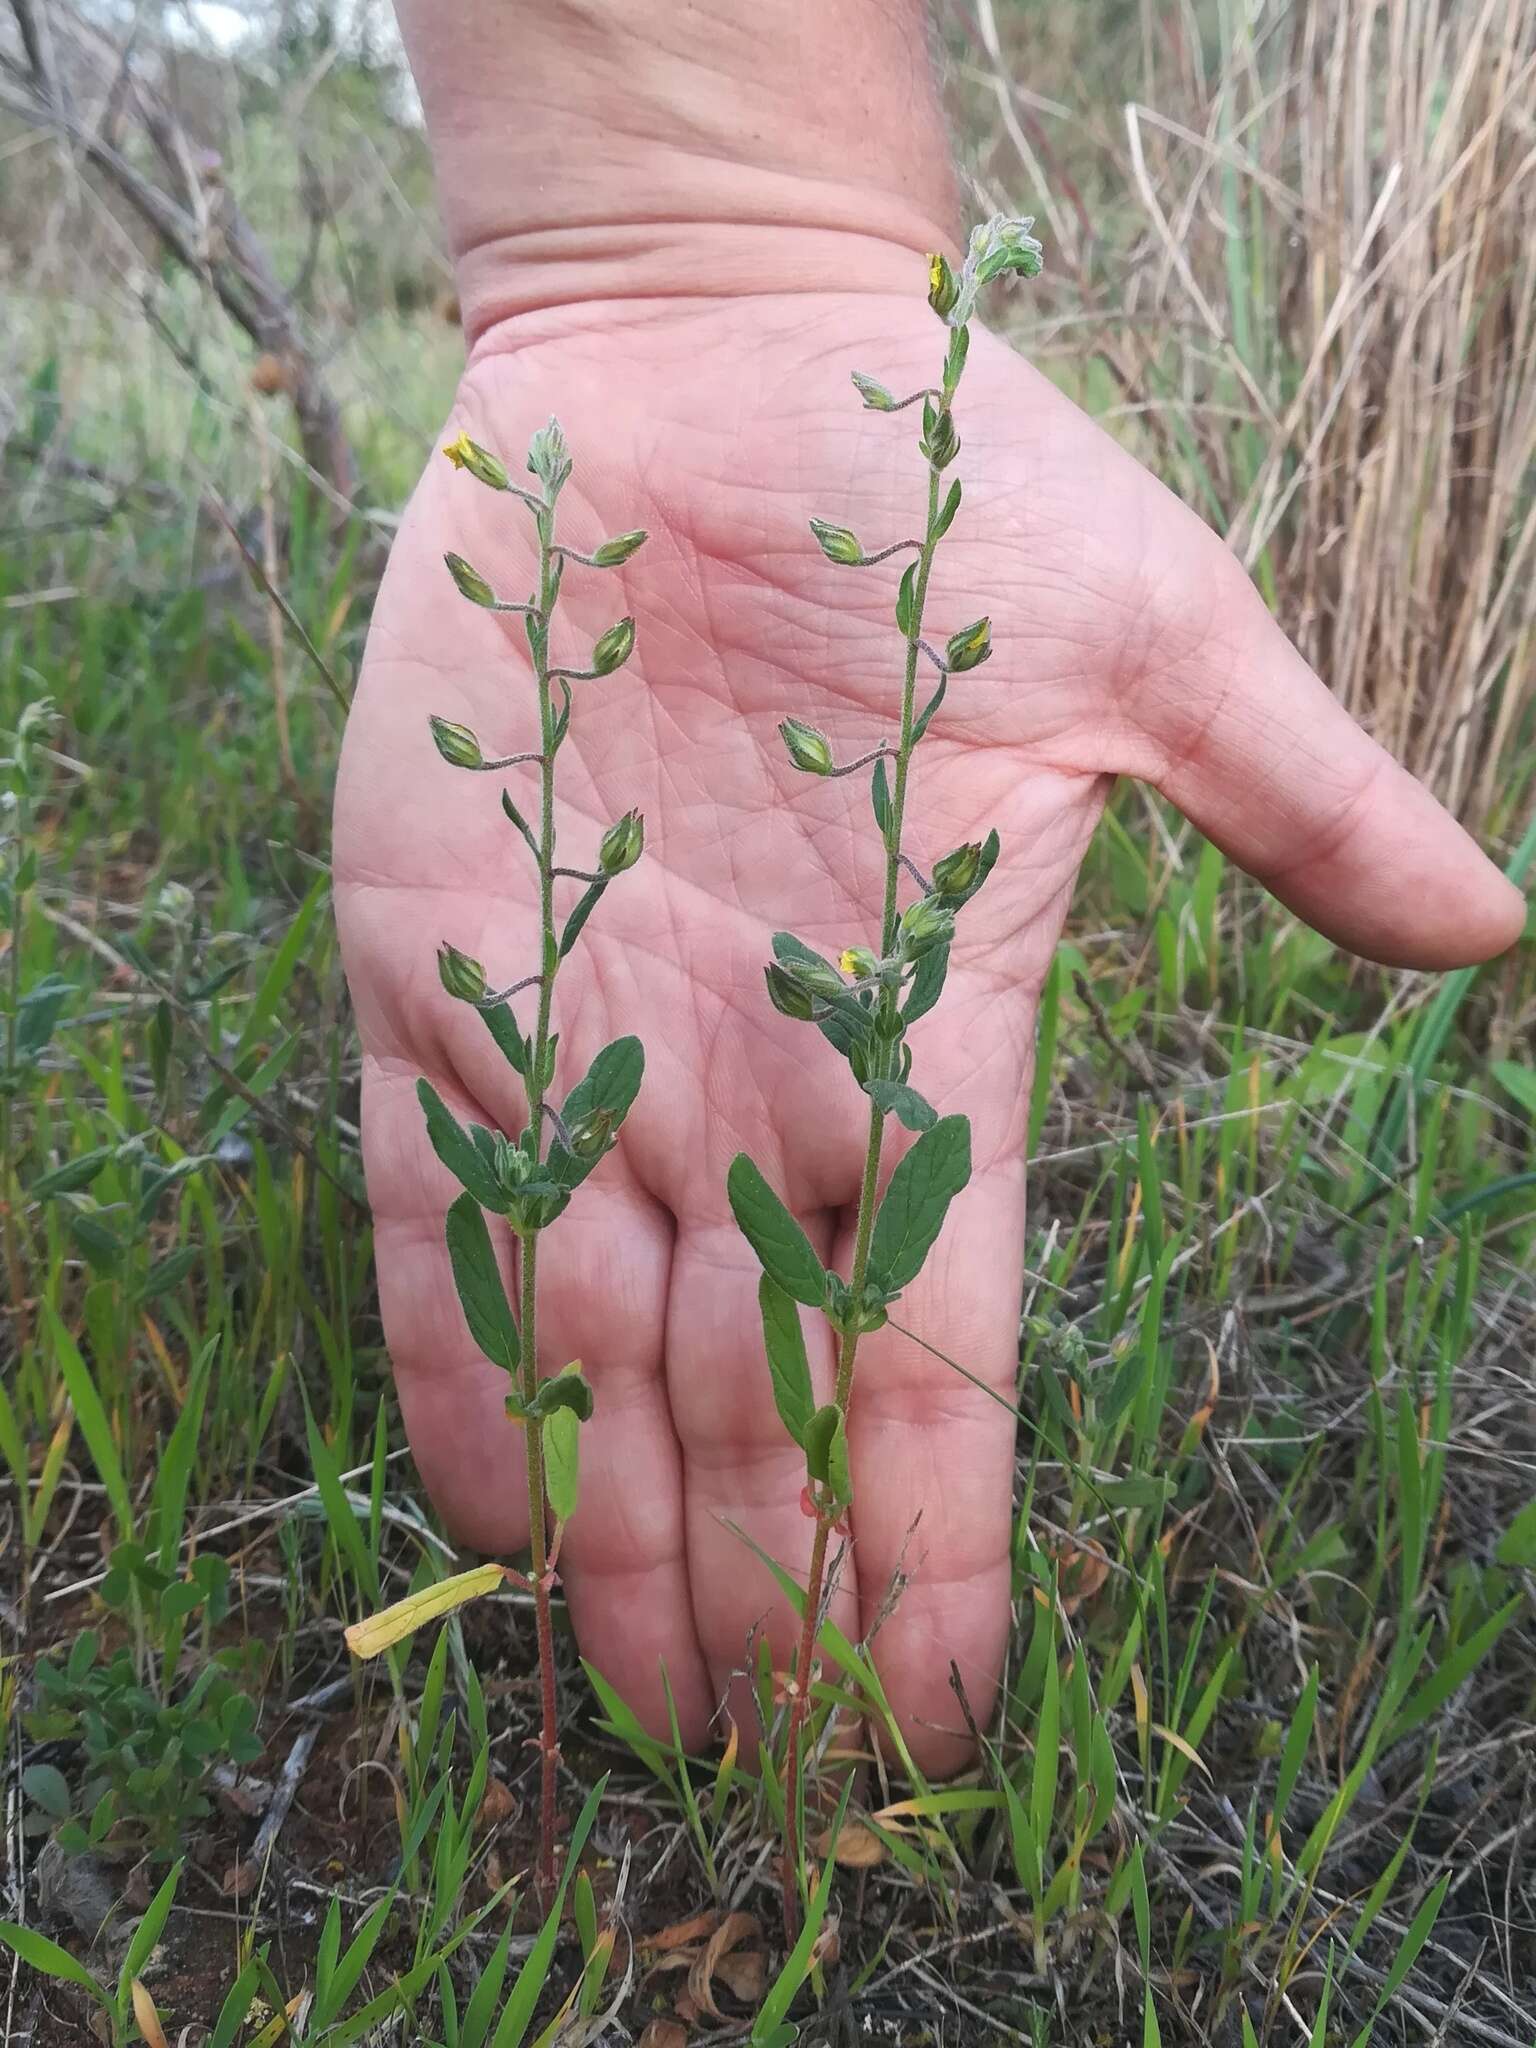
<point>859,962</point>
<point>787,996</point>
<point>456,743</point>
<point>589,1135</point>
<point>480,462</point>
<point>622,844</point>
<point>940,443</point>
<point>809,749</point>
<point>874,395</point>
<point>614,648</point>
<point>942,288</point>
<point>549,458</point>
<point>619,549</point>
<point>1010,248</point>
<point>955,873</point>
<point>924,925</point>
<point>817,978</point>
<point>969,648</point>
<point>459,974</point>
<point>837,543</point>
<point>471,583</point>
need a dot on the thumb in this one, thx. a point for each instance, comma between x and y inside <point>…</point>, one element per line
<point>1228,721</point>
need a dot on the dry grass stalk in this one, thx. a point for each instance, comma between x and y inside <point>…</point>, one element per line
<point>1326,321</point>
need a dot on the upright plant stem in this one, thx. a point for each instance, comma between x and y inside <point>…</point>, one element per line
<point>799,1706</point>
<point>549,1747</point>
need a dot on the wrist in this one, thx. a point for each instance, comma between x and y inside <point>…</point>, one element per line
<point>688,149</point>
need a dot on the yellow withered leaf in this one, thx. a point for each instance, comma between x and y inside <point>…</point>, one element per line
<point>383,1630</point>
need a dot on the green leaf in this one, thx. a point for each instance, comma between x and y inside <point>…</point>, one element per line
<point>44,1785</point>
<point>1518,1081</point>
<point>1517,1546</point>
<point>147,1933</point>
<point>72,1174</point>
<point>477,1277</point>
<point>925,716</point>
<point>917,1200</point>
<point>521,823</point>
<point>951,505</point>
<point>578,917</point>
<point>826,1453</point>
<point>927,985</point>
<point>530,1980</point>
<point>458,1151</point>
<point>502,1026</point>
<point>906,599</point>
<point>781,1245</point>
<point>771,2029</point>
<point>880,796</point>
<point>609,1087</point>
<point>92,1418</point>
<point>784,1342</point>
<point>902,1102</point>
<point>39,1953</point>
<point>561,1437</point>
<point>281,969</point>
<point>565,1390</point>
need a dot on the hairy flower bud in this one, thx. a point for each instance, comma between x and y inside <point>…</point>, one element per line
<point>480,462</point>
<point>924,925</point>
<point>941,444</point>
<point>460,975</point>
<point>954,874</point>
<point>456,743</point>
<point>969,648</point>
<point>787,996</point>
<point>860,962</point>
<point>810,750</point>
<point>942,288</point>
<point>622,844</point>
<point>614,648</point>
<point>619,549</point>
<point>874,394</point>
<point>549,458</point>
<point>817,978</point>
<point>837,543</point>
<point>471,583</point>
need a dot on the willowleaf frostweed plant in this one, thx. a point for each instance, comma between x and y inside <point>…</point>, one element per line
<point>529,1179</point>
<point>865,1004</point>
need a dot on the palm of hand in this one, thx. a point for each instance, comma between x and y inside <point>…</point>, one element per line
<point>1126,640</point>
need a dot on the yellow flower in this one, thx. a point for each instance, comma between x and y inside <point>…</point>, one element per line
<point>460,452</point>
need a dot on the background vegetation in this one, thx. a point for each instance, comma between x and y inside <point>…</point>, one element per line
<point>1265,1770</point>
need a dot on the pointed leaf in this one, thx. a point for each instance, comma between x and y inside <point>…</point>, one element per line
<point>917,1200</point>
<point>904,1103</point>
<point>562,1462</point>
<point>457,1150</point>
<point>784,1342</point>
<point>477,1277</point>
<point>781,1245</point>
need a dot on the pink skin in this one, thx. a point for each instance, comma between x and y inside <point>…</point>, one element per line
<point>1128,642</point>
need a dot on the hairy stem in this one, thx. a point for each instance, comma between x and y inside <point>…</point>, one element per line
<point>799,1706</point>
<point>538,1504</point>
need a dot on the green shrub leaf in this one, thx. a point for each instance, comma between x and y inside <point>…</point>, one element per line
<point>458,1151</point>
<point>784,1342</point>
<point>781,1245</point>
<point>917,1200</point>
<point>477,1277</point>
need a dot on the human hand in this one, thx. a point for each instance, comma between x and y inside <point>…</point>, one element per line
<point>1128,641</point>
